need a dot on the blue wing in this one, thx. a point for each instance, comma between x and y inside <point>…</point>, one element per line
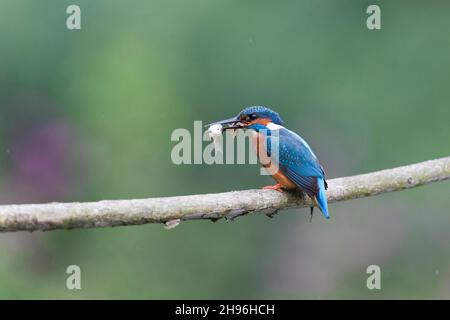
<point>299,163</point>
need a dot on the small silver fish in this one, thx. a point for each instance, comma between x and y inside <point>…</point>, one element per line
<point>215,131</point>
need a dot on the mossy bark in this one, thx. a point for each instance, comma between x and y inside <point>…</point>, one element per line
<point>109,213</point>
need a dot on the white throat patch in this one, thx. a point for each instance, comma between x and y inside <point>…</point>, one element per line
<point>273,126</point>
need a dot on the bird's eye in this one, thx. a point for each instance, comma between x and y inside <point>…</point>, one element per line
<point>253,116</point>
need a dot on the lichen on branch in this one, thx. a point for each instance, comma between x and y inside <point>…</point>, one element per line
<point>214,206</point>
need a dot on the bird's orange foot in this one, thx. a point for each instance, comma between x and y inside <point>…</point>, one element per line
<point>277,187</point>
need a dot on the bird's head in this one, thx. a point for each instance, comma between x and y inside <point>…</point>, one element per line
<point>252,118</point>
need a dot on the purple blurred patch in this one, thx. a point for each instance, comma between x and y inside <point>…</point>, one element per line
<point>43,164</point>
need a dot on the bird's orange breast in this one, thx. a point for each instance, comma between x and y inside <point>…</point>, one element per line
<point>283,180</point>
<point>266,162</point>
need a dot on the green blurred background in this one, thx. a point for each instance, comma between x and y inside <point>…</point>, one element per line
<point>87,115</point>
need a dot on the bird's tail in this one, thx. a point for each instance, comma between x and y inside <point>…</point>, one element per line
<point>321,198</point>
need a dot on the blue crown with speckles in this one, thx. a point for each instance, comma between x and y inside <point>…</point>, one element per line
<point>263,112</point>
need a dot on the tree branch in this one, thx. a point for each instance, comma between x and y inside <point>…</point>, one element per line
<point>170,210</point>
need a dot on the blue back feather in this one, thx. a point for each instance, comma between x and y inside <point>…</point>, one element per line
<point>298,162</point>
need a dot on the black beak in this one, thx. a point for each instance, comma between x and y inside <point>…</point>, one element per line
<point>233,123</point>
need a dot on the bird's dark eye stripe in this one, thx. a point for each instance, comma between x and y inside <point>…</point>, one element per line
<point>248,117</point>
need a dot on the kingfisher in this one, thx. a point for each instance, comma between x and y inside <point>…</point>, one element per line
<point>296,166</point>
